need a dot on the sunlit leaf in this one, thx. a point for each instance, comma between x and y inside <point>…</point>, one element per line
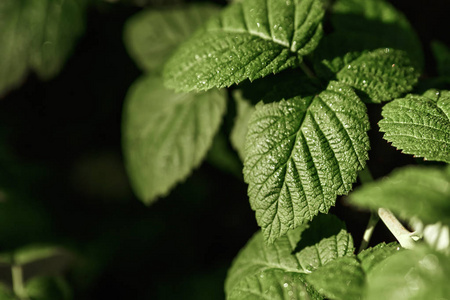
<point>301,153</point>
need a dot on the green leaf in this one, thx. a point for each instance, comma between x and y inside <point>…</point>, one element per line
<point>152,35</point>
<point>166,135</point>
<point>285,85</point>
<point>379,75</point>
<point>341,279</point>
<point>300,251</point>
<point>38,36</point>
<point>273,285</point>
<point>48,288</point>
<point>301,153</point>
<point>420,192</point>
<point>249,39</point>
<point>373,24</point>
<point>372,256</point>
<point>419,125</point>
<point>410,275</point>
<point>442,55</point>
<point>244,110</point>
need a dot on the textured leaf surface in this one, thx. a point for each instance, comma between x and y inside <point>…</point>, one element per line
<point>249,39</point>
<point>379,75</point>
<point>274,285</point>
<point>300,251</point>
<point>422,192</point>
<point>410,275</point>
<point>166,135</point>
<point>341,279</point>
<point>419,125</point>
<point>36,35</point>
<point>372,256</point>
<point>152,35</point>
<point>301,153</point>
<point>442,55</point>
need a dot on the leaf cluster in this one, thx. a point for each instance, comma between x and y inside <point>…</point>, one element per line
<point>301,130</point>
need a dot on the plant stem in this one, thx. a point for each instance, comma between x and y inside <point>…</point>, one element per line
<point>402,235</point>
<point>369,230</point>
<point>17,280</point>
<point>307,70</point>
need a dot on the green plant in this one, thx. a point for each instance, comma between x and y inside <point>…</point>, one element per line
<point>291,100</point>
<point>301,95</point>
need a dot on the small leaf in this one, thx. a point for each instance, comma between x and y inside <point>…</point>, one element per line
<point>48,288</point>
<point>38,36</point>
<point>166,135</point>
<point>421,192</point>
<point>419,125</point>
<point>373,24</point>
<point>300,251</point>
<point>372,256</point>
<point>442,54</point>
<point>302,153</point>
<point>410,275</point>
<point>248,40</point>
<point>380,75</point>
<point>152,35</point>
<point>274,284</point>
<point>341,279</point>
<point>244,110</point>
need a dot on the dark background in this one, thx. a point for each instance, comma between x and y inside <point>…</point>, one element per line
<point>62,175</point>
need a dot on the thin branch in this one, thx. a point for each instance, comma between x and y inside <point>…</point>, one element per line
<point>307,70</point>
<point>369,231</point>
<point>403,236</point>
<point>17,280</point>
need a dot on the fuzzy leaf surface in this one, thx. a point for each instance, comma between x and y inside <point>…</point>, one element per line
<point>152,35</point>
<point>422,192</point>
<point>301,153</point>
<point>166,135</point>
<point>248,40</point>
<point>380,75</point>
<point>341,279</point>
<point>419,125</point>
<point>38,36</point>
<point>300,251</point>
<point>274,285</point>
<point>410,275</point>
